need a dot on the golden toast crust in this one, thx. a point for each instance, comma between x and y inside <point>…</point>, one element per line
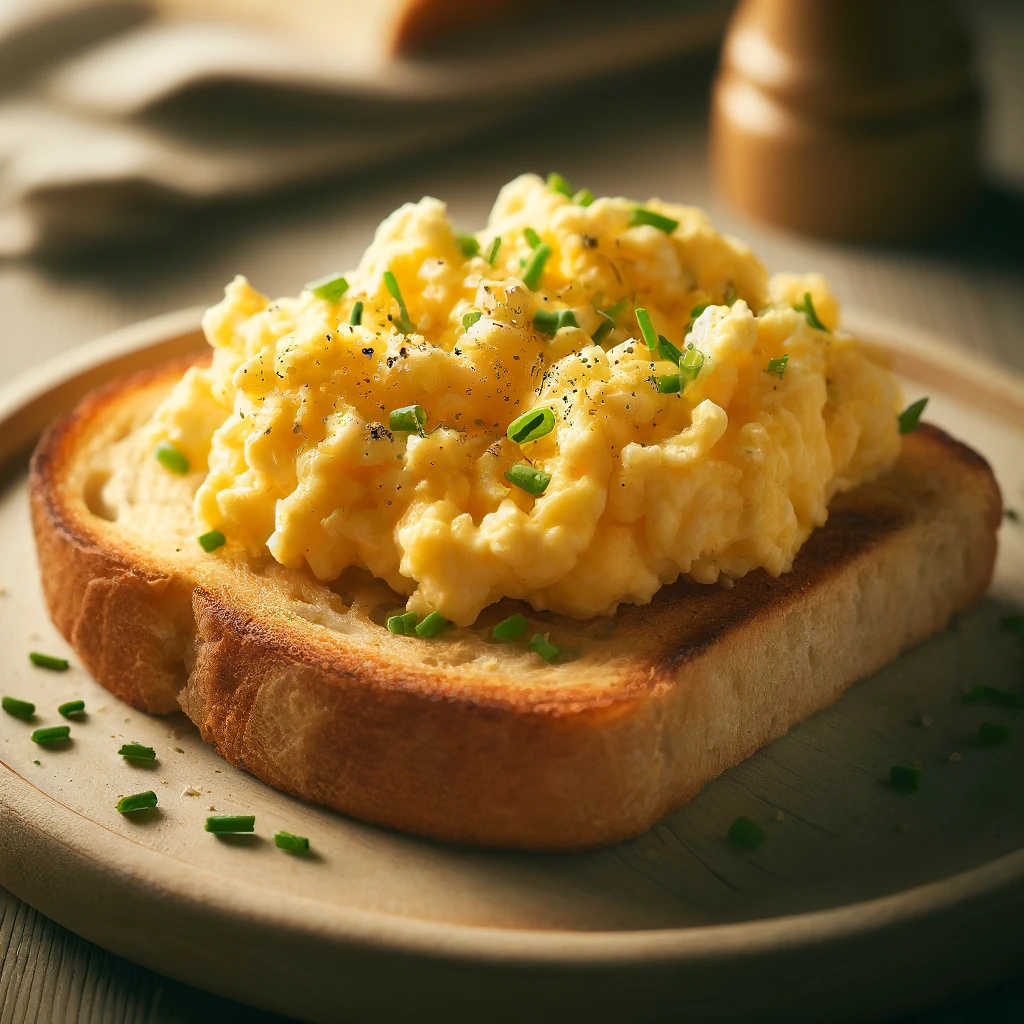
<point>461,739</point>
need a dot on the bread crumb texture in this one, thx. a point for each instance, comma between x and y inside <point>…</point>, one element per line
<point>288,439</point>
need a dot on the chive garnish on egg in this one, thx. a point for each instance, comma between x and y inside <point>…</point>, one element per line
<point>468,245</point>
<point>584,197</point>
<point>51,734</point>
<point>533,481</point>
<point>331,287</point>
<point>531,425</point>
<point>71,708</point>
<point>550,321</point>
<point>650,335</point>
<point>22,709</point>
<point>668,351</point>
<point>492,253</point>
<point>511,628</point>
<point>810,313</point>
<point>747,833</point>
<point>557,183</point>
<point>540,644</point>
<point>48,661</point>
<point>532,237</point>
<point>410,419</point>
<point>230,824</point>
<point>690,365</point>
<point>610,317</point>
<point>432,625</point>
<point>778,365</point>
<point>642,215</point>
<point>137,752</point>
<point>694,313</point>
<point>211,540</point>
<point>535,266</point>
<point>172,458</point>
<point>137,802</point>
<point>668,384</point>
<point>469,319</point>
<point>403,323</point>
<point>356,316</point>
<point>910,418</point>
<point>291,843</point>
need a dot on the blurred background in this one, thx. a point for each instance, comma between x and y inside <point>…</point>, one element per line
<point>151,149</point>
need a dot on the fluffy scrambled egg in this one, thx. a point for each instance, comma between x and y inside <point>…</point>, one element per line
<point>717,470</point>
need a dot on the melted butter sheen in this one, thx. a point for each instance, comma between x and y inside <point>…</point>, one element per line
<point>732,474</point>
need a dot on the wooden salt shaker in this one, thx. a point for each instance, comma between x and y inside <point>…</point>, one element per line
<point>856,119</point>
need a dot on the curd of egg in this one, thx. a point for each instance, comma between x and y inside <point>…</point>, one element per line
<point>648,472</point>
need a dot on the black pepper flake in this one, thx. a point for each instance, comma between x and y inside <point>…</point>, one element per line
<point>367,351</point>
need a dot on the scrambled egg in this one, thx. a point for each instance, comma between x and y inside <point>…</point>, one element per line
<point>728,473</point>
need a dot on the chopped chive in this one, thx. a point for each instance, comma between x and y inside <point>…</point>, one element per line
<point>810,313</point>
<point>468,245</point>
<point>403,323</point>
<point>550,321</point>
<point>668,384</point>
<point>433,624</point>
<point>690,365</point>
<point>291,843</point>
<point>211,540</point>
<point>469,319</point>
<point>22,709</point>
<point>532,237</point>
<point>356,316</point>
<point>641,215</point>
<point>905,778</point>
<point>993,695</point>
<point>747,833</point>
<point>778,366</point>
<point>535,266</point>
<point>137,802</point>
<point>331,287</point>
<point>539,644</point>
<point>225,824</point>
<point>511,628</point>
<point>610,317</point>
<point>668,351</point>
<point>51,734</point>
<point>410,419</point>
<point>71,708</point>
<point>172,458</point>
<point>559,184</point>
<point>911,416</point>
<point>49,661</point>
<point>492,254</point>
<point>650,335</point>
<point>533,481</point>
<point>584,197</point>
<point>991,734</point>
<point>1012,514</point>
<point>531,425</point>
<point>137,752</point>
<point>403,624</point>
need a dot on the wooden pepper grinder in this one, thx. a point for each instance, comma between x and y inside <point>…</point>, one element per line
<point>855,119</point>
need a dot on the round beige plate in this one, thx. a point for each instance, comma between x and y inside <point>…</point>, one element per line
<point>863,901</point>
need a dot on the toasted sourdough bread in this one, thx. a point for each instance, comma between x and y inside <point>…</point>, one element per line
<point>461,737</point>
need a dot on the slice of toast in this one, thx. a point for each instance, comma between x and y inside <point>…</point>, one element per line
<point>462,737</point>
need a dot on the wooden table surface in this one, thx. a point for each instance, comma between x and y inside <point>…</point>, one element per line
<point>640,138</point>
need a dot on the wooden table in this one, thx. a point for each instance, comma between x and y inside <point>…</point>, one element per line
<point>643,138</point>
